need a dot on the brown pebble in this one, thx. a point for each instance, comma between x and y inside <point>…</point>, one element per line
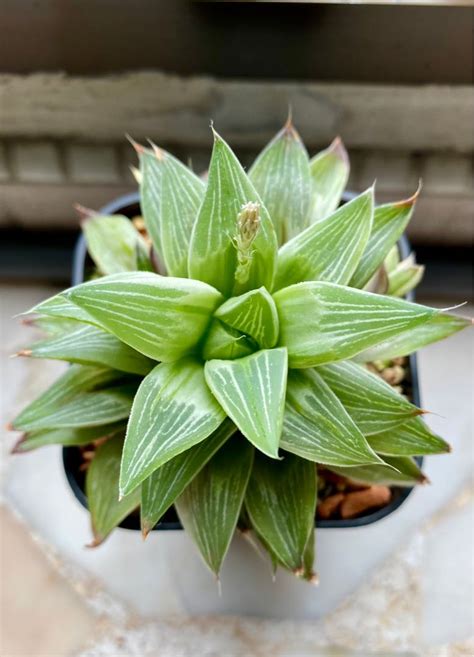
<point>401,360</point>
<point>393,375</point>
<point>359,501</point>
<point>339,481</point>
<point>328,507</point>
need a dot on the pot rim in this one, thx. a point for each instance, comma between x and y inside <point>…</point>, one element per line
<point>120,204</point>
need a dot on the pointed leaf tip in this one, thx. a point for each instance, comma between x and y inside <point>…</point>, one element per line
<point>210,505</point>
<point>84,213</point>
<point>159,153</point>
<point>411,200</point>
<point>251,390</point>
<point>138,147</point>
<point>337,148</point>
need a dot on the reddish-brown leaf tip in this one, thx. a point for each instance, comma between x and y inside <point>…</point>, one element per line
<point>16,447</point>
<point>299,572</point>
<point>28,321</point>
<point>289,129</point>
<point>409,202</point>
<point>158,152</point>
<point>138,147</point>
<point>83,212</point>
<point>23,352</point>
<point>337,148</point>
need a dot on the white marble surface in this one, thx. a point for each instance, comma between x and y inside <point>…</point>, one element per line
<point>415,567</point>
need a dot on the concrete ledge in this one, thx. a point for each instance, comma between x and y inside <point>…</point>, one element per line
<point>177,110</point>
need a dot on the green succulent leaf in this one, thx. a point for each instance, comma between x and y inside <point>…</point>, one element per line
<point>330,249</point>
<point>412,438</point>
<point>308,559</point>
<point>102,491</point>
<point>209,507</point>
<point>281,504</point>
<point>180,192</point>
<point>339,322</point>
<point>399,471</point>
<point>226,343</point>
<point>172,411</point>
<point>52,326</point>
<point>392,259</point>
<point>76,380</point>
<point>251,390</point>
<point>437,328</point>
<point>213,253</point>
<point>66,436</point>
<point>316,426</point>
<point>329,172</point>
<point>90,345</point>
<point>167,483</point>
<point>390,220</point>
<point>88,409</point>
<point>253,313</point>
<point>282,177</point>
<point>159,316</point>
<point>113,243</point>
<point>373,405</point>
<point>150,193</point>
<point>405,277</point>
<point>62,308</point>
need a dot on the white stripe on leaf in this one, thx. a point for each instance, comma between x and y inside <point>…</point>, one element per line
<point>330,249</point>
<point>339,322</point>
<point>252,392</point>
<point>172,411</point>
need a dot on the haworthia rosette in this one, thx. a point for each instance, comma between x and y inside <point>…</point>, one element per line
<point>251,390</point>
<point>282,177</point>
<point>330,249</point>
<point>339,322</point>
<point>159,316</point>
<point>209,507</point>
<point>172,411</point>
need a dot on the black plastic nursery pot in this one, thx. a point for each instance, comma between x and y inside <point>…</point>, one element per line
<point>129,205</point>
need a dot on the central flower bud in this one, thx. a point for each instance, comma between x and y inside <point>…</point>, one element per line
<point>248,223</point>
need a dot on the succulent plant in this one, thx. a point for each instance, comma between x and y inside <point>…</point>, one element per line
<point>219,386</point>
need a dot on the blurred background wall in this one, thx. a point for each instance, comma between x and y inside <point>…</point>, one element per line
<point>395,82</point>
